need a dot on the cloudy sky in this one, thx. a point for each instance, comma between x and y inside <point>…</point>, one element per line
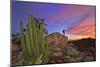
<point>77,20</point>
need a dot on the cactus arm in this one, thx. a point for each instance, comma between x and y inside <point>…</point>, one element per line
<point>28,45</point>
<point>23,39</point>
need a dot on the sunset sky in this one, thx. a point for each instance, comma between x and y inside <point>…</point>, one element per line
<point>77,20</point>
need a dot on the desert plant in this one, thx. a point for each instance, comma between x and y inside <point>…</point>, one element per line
<point>34,42</point>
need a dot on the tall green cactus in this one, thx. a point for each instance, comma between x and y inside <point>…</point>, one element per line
<point>30,32</point>
<point>34,42</point>
<point>23,43</point>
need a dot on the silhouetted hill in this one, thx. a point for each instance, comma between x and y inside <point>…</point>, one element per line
<point>85,43</point>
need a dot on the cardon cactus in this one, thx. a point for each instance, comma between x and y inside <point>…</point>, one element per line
<point>34,42</point>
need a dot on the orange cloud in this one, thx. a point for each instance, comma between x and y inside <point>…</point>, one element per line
<point>82,28</point>
<point>85,30</point>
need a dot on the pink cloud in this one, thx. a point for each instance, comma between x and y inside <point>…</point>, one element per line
<point>68,12</point>
<point>83,29</point>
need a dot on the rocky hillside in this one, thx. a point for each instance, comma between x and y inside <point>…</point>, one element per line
<point>82,50</point>
<point>57,40</point>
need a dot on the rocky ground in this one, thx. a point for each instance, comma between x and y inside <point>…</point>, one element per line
<point>64,51</point>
